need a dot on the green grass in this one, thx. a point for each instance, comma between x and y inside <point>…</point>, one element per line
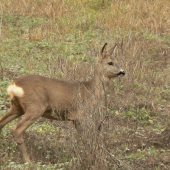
<point>62,39</point>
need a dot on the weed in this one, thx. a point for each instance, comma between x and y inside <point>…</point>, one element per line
<point>61,39</point>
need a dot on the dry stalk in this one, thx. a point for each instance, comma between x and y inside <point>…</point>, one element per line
<point>1,21</point>
<point>125,165</point>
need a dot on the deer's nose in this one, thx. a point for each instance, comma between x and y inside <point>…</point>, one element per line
<point>122,73</point>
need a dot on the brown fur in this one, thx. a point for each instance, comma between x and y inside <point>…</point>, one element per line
<point>56,99</point>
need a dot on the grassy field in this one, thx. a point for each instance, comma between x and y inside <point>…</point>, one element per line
<point>62,38</point>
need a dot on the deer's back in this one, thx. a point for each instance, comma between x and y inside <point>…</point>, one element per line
<point>49,91</point>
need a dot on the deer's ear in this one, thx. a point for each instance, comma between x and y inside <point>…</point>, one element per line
<point>103,50</point>
<point>110,52</point>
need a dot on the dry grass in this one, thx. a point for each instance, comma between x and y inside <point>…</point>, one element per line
<point>61,38</point>
<point>63,17</point>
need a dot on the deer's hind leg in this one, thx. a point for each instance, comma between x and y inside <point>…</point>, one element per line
<point>10,115</point>
<point>31,115</point>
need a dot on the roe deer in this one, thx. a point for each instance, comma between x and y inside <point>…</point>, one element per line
<point>34,96</point>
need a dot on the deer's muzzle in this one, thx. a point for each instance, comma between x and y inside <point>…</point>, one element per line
<point>121,73</point>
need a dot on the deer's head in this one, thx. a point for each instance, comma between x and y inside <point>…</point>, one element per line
<point>108,64</point>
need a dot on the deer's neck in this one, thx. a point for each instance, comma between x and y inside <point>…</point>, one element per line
<point>97,85</point>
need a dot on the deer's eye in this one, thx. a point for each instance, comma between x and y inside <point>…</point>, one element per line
<point>111,63</point>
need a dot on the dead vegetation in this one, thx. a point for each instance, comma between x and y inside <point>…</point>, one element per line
<point>135,122</point>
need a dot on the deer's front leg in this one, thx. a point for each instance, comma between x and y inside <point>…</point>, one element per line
<point>78,126</point>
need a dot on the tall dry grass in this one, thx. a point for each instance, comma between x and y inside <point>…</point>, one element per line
<point>140,17</point>
<point>137,107</point>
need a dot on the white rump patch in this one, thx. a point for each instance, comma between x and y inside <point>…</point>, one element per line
<point>15,90</point>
